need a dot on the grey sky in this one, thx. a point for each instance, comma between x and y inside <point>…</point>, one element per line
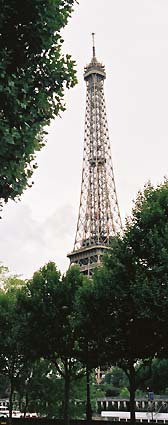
<point>132,42</point>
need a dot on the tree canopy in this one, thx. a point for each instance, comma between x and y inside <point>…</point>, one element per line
<point>147,235</point>
<point>147,229</point>
<point>13,360</point>
<point>33,73</point>
<point>128,301</point>
<point>48,320</point>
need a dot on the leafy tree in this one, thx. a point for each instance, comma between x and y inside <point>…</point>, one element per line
<point>147,228</point>
<point>78,398</point>
<point>156,378</point>
<point>41,391</point>
<point>119,316</point>
<point>147,235</point>
<point>33,73</point>
<point>4,385</point>
<point>48,322</point>
<point>85,321</point>
<point>114,381</point>
<point>8,281</point>
<point>118,378</point>
<point>12,359</point>
<point>4,274</point>
<point>131,290</point>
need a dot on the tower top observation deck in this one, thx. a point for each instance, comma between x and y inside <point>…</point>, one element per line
<point>94,66</point>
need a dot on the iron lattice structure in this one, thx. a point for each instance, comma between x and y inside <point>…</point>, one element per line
<point>99,217</point>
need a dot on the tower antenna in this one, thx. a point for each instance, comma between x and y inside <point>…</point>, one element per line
<point>93,38</point>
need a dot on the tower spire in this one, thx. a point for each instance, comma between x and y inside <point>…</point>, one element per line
<point>93,39</point>
<point>99,216</point>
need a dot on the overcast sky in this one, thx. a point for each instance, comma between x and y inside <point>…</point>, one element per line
<point>132,42</point>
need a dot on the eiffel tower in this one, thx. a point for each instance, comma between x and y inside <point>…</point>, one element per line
<point>99,217</point>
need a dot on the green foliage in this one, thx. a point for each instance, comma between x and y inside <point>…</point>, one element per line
<point>131,289</point>
<point>86,316</point>
<point>13,360</point>
<point>44,392</point>
<point>33,73</point>
<point>13,283</point>
<point>41,391</point>
<point>139,393</point>
<point>112,392</point>
<point>132,286</point>
<point>157,377</point>
<point>8,281</point>
<point>124,393</point>
<point>4,275</point>
<point>54,337</point>
<point>129,300</point>
<point>78,398</point>
<point>146,235</point>
<point>114,381</point>
<point>53,299</point>
<point>116,378</point>
<point>147,230</point>
<point>4,386</point>
<point>119,286</point>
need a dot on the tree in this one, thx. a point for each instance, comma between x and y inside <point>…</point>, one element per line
<point>53,337</point>
<point>147,235</point>
<point>9,281</point>
<point>4,273</point>
<point>131,289</point>
<point>155,378</point>
<point>118,378</point>
<point>41,391</point>
<point>147,229</point>
<point>116,319</point>
<point>33,73</point>
<point>13,360</point>
<point>85,320</point>
<point>115,379</point>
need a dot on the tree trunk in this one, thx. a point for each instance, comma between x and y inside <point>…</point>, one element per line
<point>132,393</point>
<point>26,404</point>
<point>66,394</point>
<point>88,402</point>
<point>11,400</point>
